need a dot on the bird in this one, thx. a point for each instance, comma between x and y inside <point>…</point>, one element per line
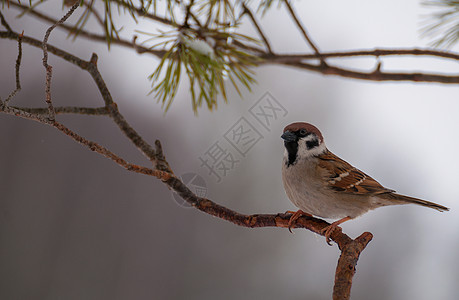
<point>321,184</point>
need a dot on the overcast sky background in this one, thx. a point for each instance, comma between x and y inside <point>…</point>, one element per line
<point>73,225</point>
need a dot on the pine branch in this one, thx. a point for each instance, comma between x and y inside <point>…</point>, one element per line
<point>206,74</point>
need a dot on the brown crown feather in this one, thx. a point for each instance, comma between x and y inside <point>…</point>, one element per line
<point>302,125</point>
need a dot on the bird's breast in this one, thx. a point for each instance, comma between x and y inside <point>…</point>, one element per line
<point>305,187</point>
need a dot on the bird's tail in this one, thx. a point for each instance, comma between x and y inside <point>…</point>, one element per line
<point>406,200</point>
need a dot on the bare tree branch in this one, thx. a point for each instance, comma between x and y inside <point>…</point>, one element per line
<point>350,248</point>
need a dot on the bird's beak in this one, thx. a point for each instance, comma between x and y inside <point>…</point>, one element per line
<point>289,136</point>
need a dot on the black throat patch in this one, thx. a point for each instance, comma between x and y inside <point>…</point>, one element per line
<point>292,150</point>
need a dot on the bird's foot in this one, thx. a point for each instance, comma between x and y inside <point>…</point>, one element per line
<point>295,216</point>
<point>327,231</point>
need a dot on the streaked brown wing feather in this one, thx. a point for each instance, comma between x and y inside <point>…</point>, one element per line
<point>343,177</point>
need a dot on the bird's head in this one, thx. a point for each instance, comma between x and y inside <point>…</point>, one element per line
<point>302,141</point>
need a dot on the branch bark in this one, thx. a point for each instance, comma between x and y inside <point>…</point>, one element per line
<point>347,263</point>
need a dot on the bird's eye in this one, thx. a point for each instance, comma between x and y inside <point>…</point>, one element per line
<point>303,132</point>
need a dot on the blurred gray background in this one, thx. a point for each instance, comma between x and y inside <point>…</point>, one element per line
<point>73,225</point>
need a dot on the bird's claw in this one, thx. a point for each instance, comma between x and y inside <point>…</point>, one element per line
<point>295,216</point>
<point>327,231</point>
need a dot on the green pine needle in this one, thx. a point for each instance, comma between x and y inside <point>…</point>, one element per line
<point>207,72</point>
<point>443,25</point>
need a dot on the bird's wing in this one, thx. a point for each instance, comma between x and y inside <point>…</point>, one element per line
<point>343,177</point>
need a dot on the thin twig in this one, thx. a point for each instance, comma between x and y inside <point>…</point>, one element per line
<point>209,16</point>
<point>4,23</point>
<point>94,12</point>
<point>90,111</point>
<point>195,19</point>
<point>49,69</point>
<point>23,114</point>
<point>187,15</point>
<point>112,108</point>
<point>255,23</point>
<point>161,162</point>
<point>51,112</point>
<point>17,70</point>
<point>92,36</point>
<point>93,146</point>
<point>141,12</point>
<point>376,53</point>
<point>303,30</point>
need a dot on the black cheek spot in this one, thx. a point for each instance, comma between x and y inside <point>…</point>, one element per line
<point>312,144</point>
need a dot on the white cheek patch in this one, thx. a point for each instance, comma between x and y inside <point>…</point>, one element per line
<point>304,152</point>
<point>309,138</point>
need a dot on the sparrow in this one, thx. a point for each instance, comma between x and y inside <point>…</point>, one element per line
<point>321,184</point>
